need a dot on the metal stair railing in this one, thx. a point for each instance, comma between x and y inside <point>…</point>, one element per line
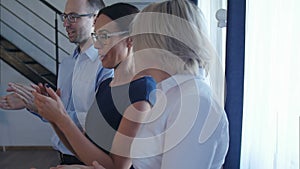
<point>57,12</point>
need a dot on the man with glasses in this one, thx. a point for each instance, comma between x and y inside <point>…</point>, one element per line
<point>78,78</point>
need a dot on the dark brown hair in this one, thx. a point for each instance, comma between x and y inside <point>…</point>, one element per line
<point>120,10</point>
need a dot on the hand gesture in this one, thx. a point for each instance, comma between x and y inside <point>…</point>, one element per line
<point>51,108</point>
<point>11,102</point>
<point>24,93</point>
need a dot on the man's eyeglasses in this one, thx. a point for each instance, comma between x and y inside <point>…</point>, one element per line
<point>103,36</point>
<point>71,18</point>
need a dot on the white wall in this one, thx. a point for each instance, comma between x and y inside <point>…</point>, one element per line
<point>19,127</point>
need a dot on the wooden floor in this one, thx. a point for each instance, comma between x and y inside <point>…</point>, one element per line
<point>28,158</point>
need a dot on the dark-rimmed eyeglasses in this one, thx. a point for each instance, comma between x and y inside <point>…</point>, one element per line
<point>71,18</point>
<point>102,36</point>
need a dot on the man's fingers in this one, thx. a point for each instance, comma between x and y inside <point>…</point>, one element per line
<point>3,103</point>
<point>25,100</point>
<point>9,89</point>
<point>2,99</point>
<point>23,93</point>
<point>52,93</point>
<point>15,86</point>
<point>29,88</point>
<point>36,87</point>
<point>58,92</point>
<point>38,97</point>
<point>25,89</point>
<point>40,89</point>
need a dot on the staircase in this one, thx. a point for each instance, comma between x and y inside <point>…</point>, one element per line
<point>32,39</point>
<point>25,65</point>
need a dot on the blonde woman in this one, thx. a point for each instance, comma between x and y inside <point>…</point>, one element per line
<point>187,127</point>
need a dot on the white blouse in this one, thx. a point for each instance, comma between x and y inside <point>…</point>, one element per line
<point>185,129</point>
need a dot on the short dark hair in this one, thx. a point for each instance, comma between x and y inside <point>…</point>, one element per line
<point>119,10</point>
<point>95,5</point>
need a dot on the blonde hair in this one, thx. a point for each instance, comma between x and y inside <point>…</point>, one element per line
<point>179,28</point>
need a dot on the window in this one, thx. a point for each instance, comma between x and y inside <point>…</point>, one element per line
<point>217,32</point>
<point>271,116</point>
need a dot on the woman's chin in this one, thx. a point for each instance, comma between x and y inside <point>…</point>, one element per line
<point>102,57</point>
<point>107,65</point>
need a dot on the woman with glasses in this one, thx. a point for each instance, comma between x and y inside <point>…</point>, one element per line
<point>123,100</point>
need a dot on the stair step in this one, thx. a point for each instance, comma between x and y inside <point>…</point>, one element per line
<point>12,50</point>
<point>38,68</point>
<point>46,74</point>
<point>23,57</point>
<point>30,62</point>
<point>25,64</point>
<point>7,45</point>
<point>50,78</point>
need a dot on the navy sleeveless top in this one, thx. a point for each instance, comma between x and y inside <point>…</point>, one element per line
<point>102,124</point>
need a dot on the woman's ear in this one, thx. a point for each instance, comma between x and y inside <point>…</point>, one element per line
<point>129,42</point>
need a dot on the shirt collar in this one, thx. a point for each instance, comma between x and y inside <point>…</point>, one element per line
<point>173,81</point>
<point>178,79</point>
<point>90,53</point>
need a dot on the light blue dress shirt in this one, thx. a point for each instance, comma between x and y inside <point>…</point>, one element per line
<point>78,79</point>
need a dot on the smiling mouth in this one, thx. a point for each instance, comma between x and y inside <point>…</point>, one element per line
<point>70,34</point>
